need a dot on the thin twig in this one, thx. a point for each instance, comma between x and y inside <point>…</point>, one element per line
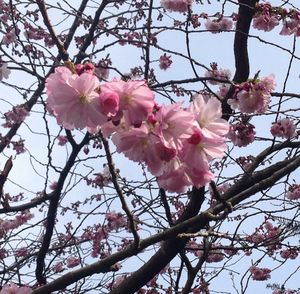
<point>125,207</point>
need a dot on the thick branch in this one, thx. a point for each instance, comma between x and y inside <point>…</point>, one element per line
<point>245,14</point>
<point>169,249</point>
<point>264,178</point>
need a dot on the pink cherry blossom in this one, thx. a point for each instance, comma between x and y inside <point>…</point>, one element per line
<point>223,90</point>
<point>208,113</point>
<point>102,69</point>
<point>62,140</point>
<point>176,5</point>
<point>139,145</point>
<point>53,185</point>
<point>21,252</point>
<point>135,98</point>
<point>264,18</point>
<point>174,124</point>
<point>215,256</point>
<point>218,25</point>
<point>74,99</point>
<point>217,73</point>
<point>265,22</point>
<point>109,102</point>
<point>260,274</point>
<point>84,68</point>
<point>198,149</point>
<point>15,116</point>
<point>293,192</point>
<point>58,267</point>
<point>165,62</point>
<point>253,96</point>
<point>4,72</point>
<point>289,27</point>
<point>72,261</point>
<point>290,253</point>
<point>115,220</point>
<point>9,37</point>
<point>241,134</point>
<point>284,128</point>
<point>291,24</point>
<point>14,289</point>
<point>174,178</point>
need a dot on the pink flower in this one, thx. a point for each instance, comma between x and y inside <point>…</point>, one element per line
<point>19,146</point>
<point>260,274</point>
<point>115,220</point>
<point>253,96</point>
<point>265,22</point>
<point>215,256</point>
<point>217,25</point>
<point>21,252</point>
<point>109,102</point>
<point>4,72</point>
<point>139,145</point>
<point>85,68</point>
<point>62,140</point>
<point>135,98</point>
<point>198,149</point>
<point>174,124</point>
<point>74,99</point>
<point>15,116</point>
<point>174,178</point>
<point>53,185</point>
<point>9,37</point>
<point>289,27</point>
<point>14,289</point>
<point>294,192</point>
<point>289,253</point>
<point>72,261</point>
<point>241,134</point>
<point>102,69</point>
<point>217,73</point>
<point>58,268</point>
<point>208,113</point>
<point>165,61</point>
<point>176,5</point>
<point>284,128</point>
<point>223,90</point>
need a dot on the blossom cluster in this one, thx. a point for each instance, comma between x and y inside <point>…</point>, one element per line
<point>217,25</point>
<point>7,225</point>
<point>260,274</point>
<point>215,72</point>
<point>264,233</point>
<point>290,253</point>
<point>284,128</point>
<point>4,71</point>
<point>175,143</point>
<point>294,192</point>
<point>267,18</point>
<point>176,5</point>
<point>241,133</point>
<point>14,289</point>
<point>15,116</point>
<point>268,235</point>
<point>254,95</point>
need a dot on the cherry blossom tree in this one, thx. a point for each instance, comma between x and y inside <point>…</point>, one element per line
<point>149,146</point>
